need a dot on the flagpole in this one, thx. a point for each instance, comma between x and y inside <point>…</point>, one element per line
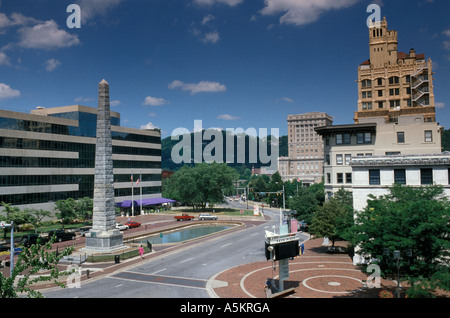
<point>140,183</point>
<point>132,194</point>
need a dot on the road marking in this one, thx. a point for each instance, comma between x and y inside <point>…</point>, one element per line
<point>225,245</point>
<point>161,270</point>
<point>162,280</point>
<point>120,285</point>
<point>255,234</point>
<point>186,260</point>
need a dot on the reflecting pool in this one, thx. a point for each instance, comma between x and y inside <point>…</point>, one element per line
<point>185,234</point>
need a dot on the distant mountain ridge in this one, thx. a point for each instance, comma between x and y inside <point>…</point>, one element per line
<point>167,145</point>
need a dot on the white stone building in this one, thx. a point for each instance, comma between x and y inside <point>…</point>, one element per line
<point>375,175</point>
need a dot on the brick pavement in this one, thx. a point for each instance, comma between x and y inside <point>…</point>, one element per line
<point>315,274</point>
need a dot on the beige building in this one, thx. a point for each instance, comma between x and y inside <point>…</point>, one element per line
<point>393,83</point>
<point>411,135</point>
<point>306,156</point>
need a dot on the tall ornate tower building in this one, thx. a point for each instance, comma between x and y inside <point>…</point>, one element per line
<point>393,83</point>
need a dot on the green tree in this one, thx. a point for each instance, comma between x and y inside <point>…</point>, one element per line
<point>408,219</point>
<point>14,214</point>
<point>305,203</point>
<point>201,184</point>
<point>30,262</point>
<point>84,208</point>
<point>334,218</point>
<point>36,216</point>
<point>67,210</point>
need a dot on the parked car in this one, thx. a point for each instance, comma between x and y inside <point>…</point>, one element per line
<point>184,217</point>
<point>132,224</point>
<point>84,230</point>
<point>302,226</point>
<point>4,248</point>
<point>121,227</point>
<point>31,239</point>
<point>61,235</point>
<point>207,216</point>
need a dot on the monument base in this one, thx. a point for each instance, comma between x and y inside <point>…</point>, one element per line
<point>104,241</point>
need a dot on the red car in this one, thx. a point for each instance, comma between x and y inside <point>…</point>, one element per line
<point>133,224</point>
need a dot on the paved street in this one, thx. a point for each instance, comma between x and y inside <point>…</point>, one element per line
<point>183,272</point>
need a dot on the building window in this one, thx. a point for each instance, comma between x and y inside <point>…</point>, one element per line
<point>348,178</point>
<point>366,83</point>
<point>393,80</point>
<point>328,160</point>
<point>364,138</point>
<point>328,178</point>
<point>394,103</point>
<point>340,178</point>
<point>428,136</point>
<point>347,139</point>
<point>400,176</point>
<point>374,177</point>
<point>339,139</point>
<point>339,160</point>
<point>380,81</point>
<point>401,137</point>
<point>367,105</point>
<point>347,159</point>
<point>426,176</point>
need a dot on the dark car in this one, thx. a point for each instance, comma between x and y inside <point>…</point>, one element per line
<point>31,239</point>
<point>4,248</point>
<point>61,235</point>
<point>303,226</point>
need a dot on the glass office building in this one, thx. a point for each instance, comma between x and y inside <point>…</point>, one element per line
<point>49,155</point>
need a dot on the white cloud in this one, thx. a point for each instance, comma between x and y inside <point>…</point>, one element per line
<point>82,99</point>
<point>440,105</point>
<point>16,19</point>
<point>301,12</point>
<point>46,36</point>
<point>446,45</point>
<point>51,65</point>
<point>287,99</point>
<point>149,126</point>
<point>228,117</point>
<point>114,103</point>
<point>201,87</point>
<point>207,19</point>
<point>154,101</point>
<point>92,8</point>
<point>7,92</point>
<point>4,59</point>
<point>231,3</point>
<point>446,32</point>
<point>211,37</point>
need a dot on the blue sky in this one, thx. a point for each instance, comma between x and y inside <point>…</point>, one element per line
<point>229,63</point>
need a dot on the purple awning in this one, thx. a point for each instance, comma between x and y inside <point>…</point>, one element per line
<point>145,202</point>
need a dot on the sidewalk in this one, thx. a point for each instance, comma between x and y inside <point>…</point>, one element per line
<point>315,274</point>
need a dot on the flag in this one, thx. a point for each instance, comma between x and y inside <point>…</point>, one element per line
<point>138,180</point>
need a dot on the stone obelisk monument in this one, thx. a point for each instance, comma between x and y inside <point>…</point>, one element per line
<point>104,237</point>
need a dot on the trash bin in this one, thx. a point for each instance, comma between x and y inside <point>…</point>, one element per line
<point>117,259</point>
<point>149,245</point>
